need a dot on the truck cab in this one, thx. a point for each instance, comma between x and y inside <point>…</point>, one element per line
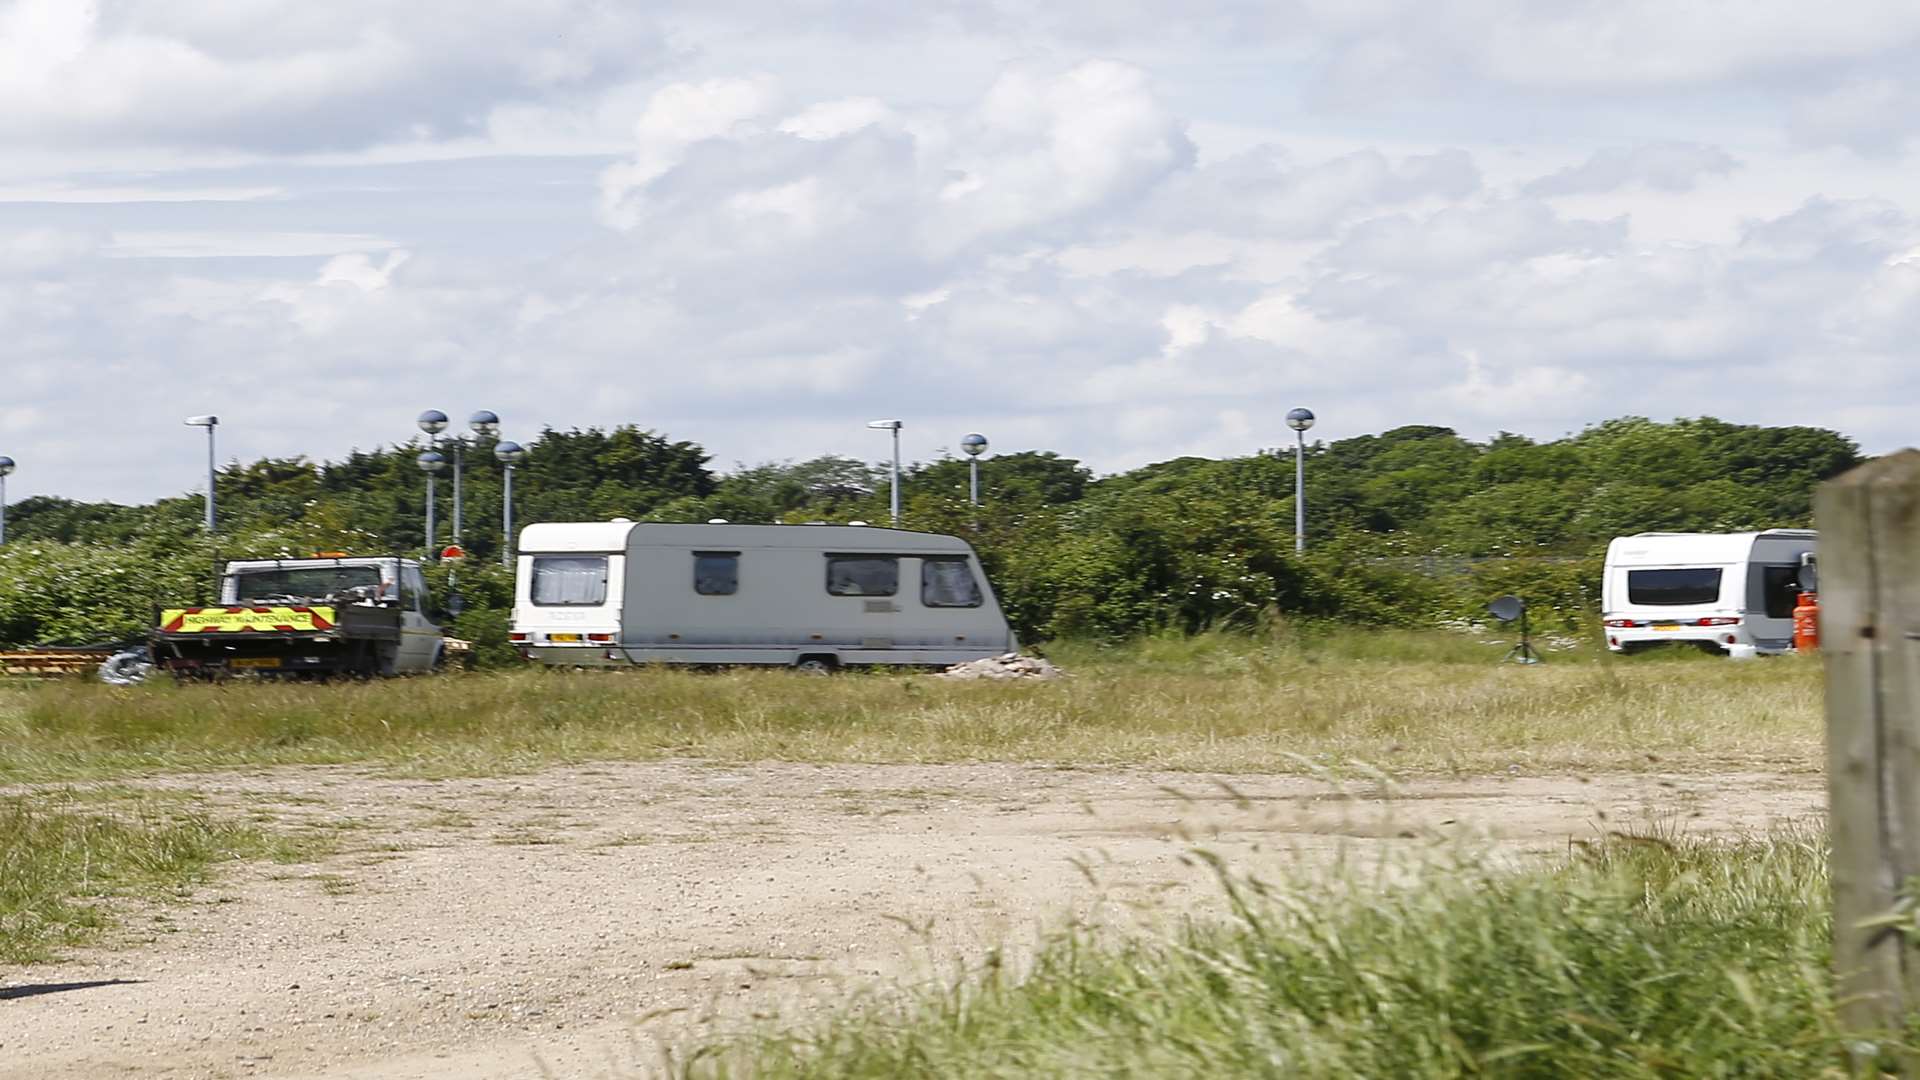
<point>386,582</point>
<point>314,617</point>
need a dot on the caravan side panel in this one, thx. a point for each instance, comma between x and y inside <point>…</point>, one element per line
<point>760,594</point>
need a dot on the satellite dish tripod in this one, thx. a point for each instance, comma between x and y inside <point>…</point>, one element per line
<point>1507,609</point>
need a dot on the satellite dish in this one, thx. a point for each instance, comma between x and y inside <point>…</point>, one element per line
<point>1507,608</point>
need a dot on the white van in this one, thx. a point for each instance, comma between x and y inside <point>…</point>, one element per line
<point>811,596</point>
<point>1714,589</point>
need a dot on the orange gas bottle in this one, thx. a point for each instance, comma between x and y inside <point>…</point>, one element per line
<point>1806,622</point>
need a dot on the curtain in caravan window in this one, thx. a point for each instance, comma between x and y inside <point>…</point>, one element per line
<point>570,580</point>
<point>948,583</point>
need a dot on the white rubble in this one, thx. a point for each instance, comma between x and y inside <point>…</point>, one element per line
<point>1006,666</point>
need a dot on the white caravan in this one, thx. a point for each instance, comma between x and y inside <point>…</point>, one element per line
<point>810,596</point>
<point>1716,589</point>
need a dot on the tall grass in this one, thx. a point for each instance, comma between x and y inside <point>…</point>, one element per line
<point>64,856</point>
<point>1216,702</point>
<point>1642,959</point>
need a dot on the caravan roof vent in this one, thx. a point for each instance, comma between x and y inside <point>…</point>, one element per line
<point>716,521</point>
<point>621,521</point>
<point>856,523</point>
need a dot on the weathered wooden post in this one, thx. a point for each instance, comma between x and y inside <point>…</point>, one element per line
<point>1869,523</point>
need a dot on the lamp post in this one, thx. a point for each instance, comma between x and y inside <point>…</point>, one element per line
<point>974,444</point>
<point>485,423</point>
<point>208,422</point>
<point>509,454</point>
<point>1300,420</point>
<point>893,504</point>
<point>433,422</point>
<point>433,463</point>
<point>6,467</point>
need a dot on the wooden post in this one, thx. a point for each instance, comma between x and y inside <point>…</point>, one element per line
<point>1869,523</point>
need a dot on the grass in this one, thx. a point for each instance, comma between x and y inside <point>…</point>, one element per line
<point>1408,702</point>
<point>66,855</point>
<point>1633,959</point>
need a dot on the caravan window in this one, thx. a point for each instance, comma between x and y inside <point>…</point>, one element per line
<point>716,573</point>
<point>948,583</point>
<point>569,580</point>
<point>863,575</point>
<point>1673,588</point>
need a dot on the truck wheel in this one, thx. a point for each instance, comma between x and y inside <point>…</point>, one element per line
<point>814,665</point>
<point>127,668</point>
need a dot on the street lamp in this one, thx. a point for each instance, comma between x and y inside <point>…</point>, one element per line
<point>433,463</point>
<point>894,502</point>
<point>483,422</point>
<point>208,422</point>
<point>509,455</point>
<point>1300,420</point>
<point>6,467</point>
<point>974,444</point>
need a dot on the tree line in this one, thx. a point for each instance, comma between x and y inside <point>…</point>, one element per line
<point>1414,526</point>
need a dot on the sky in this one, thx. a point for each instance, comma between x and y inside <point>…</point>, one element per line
<point>1124,230</point>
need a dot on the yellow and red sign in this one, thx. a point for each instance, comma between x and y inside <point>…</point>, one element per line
<point>246,620</point>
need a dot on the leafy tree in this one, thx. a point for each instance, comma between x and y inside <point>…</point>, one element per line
<point>1411,524</point>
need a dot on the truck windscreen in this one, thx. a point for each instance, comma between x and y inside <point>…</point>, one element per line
<point>1673,588</point>
<point>303,582</point>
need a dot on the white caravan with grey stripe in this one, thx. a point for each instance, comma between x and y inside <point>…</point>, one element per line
<point>814,596</point>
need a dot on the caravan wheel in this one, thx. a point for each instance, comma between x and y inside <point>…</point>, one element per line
<point>814,665</point>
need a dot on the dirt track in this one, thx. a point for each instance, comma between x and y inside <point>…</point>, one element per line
<point>569,922</point>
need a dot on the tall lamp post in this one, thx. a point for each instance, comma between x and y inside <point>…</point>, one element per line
<point>483,422</point>
<point>974,444</point>
<point>486,424</point>
<point>208,422</point>
<point>893,503</point>
<point>433,463</point>
<point>433,422</point>
<point>509,454</point>
<point>1300,420</point>
<point>6,467</point>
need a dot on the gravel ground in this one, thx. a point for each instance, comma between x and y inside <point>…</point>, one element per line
<point>581,922</point>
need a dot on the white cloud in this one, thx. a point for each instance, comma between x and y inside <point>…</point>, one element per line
<point>1120,231</point>
<point>830,119</point>
<point>1668,166</point>
<point>285,75</point>
<point>169,244</point>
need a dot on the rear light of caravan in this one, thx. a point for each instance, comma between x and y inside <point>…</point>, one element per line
<point>1717,621</point>
<point>518,635</point>
<point>600,637</point>
<point>1624,623</point>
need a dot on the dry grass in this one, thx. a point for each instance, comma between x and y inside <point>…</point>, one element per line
<point>1407,703</point>
<point>1656,959</point>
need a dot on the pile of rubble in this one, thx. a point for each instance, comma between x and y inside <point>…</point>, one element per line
<point>1006,666</point>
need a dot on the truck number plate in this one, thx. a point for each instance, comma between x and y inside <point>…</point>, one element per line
<point>255,662</point>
